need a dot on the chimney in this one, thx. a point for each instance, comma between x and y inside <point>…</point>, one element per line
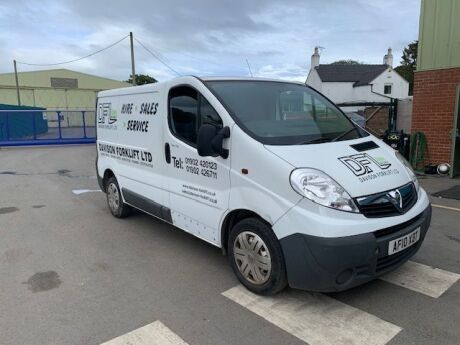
<point>315,58</point>
<point>387,58</point>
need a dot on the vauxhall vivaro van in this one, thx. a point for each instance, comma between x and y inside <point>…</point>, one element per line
<point>270,171</point>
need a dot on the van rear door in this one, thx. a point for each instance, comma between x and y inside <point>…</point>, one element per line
<point>199,186</point>
<point>130,139</point>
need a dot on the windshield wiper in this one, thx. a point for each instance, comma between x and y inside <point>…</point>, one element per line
<point>344,134</point>
<point>314,141</point>
<point>326,140</point>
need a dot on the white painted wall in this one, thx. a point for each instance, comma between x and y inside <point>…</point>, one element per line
<point>314,80</point>
<point>338,92</point>
<point>400,86</point>
<point>404,118</point>
<point>364,93</point>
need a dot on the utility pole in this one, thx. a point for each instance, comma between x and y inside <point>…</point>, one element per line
<point>133,69</point>
<point>17,82</point>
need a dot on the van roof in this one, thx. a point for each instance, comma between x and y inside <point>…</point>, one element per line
<point>207,78</point>
<point>155,86</point>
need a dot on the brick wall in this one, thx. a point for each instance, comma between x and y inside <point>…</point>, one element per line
<point>433,110</point>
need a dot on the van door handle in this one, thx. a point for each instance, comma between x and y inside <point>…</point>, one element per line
<point>167,153</point>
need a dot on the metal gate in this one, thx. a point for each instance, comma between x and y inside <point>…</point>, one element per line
<point>38,126</point>
<point>384,112</point>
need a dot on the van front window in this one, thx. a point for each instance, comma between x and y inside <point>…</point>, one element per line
<point>282,113</point>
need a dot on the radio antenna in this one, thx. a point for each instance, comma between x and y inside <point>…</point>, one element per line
<point>249,67</point>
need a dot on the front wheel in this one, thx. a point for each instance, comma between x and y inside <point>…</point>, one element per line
<point>256,257</point>
<point>115,201</point>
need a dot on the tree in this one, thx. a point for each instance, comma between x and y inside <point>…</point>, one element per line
<point>409,64</point>
<point>142,79</point>
<point>346,62</point>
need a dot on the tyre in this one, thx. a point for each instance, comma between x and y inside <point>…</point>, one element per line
<point>115,201</point>
<point>256,257</point>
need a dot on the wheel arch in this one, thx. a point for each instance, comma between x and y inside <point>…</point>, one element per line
<point>231,219</point>
<point>108,173</point>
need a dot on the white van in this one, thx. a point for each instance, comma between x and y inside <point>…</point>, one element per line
<point>270,171</point>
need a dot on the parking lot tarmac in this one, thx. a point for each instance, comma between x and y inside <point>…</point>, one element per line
<point>70,273</point>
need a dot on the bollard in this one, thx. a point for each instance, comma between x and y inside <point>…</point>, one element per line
<point>59,123</point>
<point>84,124</point>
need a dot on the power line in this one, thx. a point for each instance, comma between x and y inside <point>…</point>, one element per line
<point>156,57</point>
<point>74,60</point>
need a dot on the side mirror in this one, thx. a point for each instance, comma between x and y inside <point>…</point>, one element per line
<point>210,141</point>
<point>218,142</point>
<point>206,134</point>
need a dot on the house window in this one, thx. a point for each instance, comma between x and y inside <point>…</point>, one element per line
<point>387,89</point>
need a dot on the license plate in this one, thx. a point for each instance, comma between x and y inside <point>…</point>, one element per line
<point>403,242</point>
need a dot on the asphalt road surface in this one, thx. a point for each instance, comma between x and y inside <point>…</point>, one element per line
<point>70,273</point>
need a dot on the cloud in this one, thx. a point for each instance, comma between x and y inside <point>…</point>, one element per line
<point>290,72</point>
<point>204,37</point>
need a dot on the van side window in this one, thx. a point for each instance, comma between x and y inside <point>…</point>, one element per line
<point>208,115</point>
<point>183,112</point>
<point>188,110</point>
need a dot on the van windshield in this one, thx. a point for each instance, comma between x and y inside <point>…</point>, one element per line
<point>278,113</point>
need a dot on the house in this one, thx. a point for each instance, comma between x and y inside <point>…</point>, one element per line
<point>436,105</point>
<point>357,83</point>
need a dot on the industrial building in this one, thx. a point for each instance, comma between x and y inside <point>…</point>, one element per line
<point>55,89</point>
<point>437,82</point>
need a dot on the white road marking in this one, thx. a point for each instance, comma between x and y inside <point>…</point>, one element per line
<point>421,278</point>
<point>82,191</point>
<point>446,207</point>
<point>316,318</point>
<point>154,333</point>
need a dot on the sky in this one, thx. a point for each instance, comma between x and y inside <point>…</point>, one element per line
<point>203,37</point>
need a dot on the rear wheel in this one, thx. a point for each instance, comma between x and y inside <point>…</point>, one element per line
<point>115,201</point>
<point>256,257</point>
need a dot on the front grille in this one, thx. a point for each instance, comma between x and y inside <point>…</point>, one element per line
<point>387,262</point>
<point>395,228</point>
<point>383,204</point>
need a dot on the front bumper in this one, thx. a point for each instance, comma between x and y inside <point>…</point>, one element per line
<point>328,264</point>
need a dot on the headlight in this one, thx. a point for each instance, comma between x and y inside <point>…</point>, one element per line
<point>409,170</point>
<point>321,189</point>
